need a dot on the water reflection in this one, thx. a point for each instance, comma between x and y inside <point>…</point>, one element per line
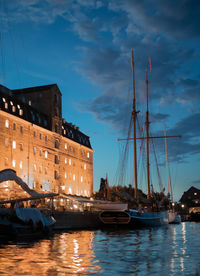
<point>169,251</point>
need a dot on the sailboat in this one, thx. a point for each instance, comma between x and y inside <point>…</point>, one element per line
<point>144,216</point>
<point>173,217</point>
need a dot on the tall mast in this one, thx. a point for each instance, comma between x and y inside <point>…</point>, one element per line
<point>134,115</point>
<point>168,173</point>
<point>147,138</point>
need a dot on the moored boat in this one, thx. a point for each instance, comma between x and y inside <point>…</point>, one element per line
<point>141,218</point>
<point>173,217</point>
<point>114,217</point>
<point>24,222</point>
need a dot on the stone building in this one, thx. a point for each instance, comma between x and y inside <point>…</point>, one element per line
<point>47,152</point>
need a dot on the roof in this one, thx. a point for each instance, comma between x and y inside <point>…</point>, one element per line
<point>34,89</point>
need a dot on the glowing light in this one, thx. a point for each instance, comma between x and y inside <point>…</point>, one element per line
<point>74,177</point>
<point>182,205</point>
<point>7,124</point>
<point>70,190</point>
<point>81,179</point>
<point>88,155</point>
<point>14,144</point>
<point>20,165</point>
<point>84,166</point>
<point>46,154</point>
<point>14,163</point>
<point>65,146</point>
<point>63,188</point>
<point>65,160</point>
<point>70,162</point>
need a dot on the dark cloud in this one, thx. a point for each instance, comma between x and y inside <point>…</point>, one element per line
<point>173,18</point>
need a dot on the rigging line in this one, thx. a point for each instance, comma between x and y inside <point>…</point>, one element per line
<point>2,48</point>
<point>12,42</point>
<point>157,167</point>
<point>2,60</point>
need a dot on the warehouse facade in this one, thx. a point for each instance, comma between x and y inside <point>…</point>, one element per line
<point>47,152</point>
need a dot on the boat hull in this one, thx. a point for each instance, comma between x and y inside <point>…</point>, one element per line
<point>151,219</point>
<point>114,217</point>
<point>174,218</point>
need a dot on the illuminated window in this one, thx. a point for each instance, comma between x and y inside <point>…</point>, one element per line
<point>20,165</point>
<point>74,177</point>
<point>18,106</point>
<point>34,150</point>
<point>70,190</point>
<point>11,102</point>
<point>66,146</point>
<point>20,112</point>
<point>88,154</point>
<point>29,102</point>
<point>65,160</point>
<point>7,124</point>
<point>6,142</point>
<point>13,108</point>
<point>35,167</point>
<point>46,154</point>
<point>21,146</point>
<point>14,163</point>
<point>70,162</point>
<point>65,175</point>
<point>21,129</point>
<point>14,126</point>
<point>85,166</point>
<point>81,179</point>
<point>14,144</point>
<point>6,105</point>
<point>63,188</point>
<point>64,132</point>
<point>4,100</point>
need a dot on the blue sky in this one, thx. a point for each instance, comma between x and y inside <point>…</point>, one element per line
<point>85,46</point>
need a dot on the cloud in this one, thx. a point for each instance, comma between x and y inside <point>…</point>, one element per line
<point>173,18</point>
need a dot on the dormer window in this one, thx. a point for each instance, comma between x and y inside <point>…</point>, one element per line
<point>29,102</point>
<point>20,112</point>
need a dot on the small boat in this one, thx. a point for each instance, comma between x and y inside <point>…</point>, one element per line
<point>114,217</point>
<point>149,219</point>
<point>24,222</point>
<point>173,217</point>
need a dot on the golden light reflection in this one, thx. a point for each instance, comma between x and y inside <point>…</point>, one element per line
<point>67,253</point>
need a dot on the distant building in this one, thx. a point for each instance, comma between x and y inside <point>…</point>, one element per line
<point>47,152</point>
<point>191,197</point>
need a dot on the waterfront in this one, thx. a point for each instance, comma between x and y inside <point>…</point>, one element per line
<point>172,250</point>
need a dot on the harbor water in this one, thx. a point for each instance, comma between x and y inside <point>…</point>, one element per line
<point>171,250</point>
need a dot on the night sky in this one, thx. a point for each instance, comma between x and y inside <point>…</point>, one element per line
<point>85,47</point>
